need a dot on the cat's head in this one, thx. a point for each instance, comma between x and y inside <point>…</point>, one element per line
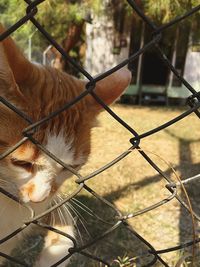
<point>38,91</point>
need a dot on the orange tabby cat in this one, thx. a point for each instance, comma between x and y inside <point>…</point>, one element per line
<point>29,173</point>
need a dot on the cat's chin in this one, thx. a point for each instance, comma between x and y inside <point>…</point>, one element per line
<point>34,198</point>
<point>37,199</point>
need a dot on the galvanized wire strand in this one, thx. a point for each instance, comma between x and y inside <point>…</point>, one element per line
<point>167,124</point>
<point>177,19</point>
<point>152,207</point>
<point>152,249</point>
<point>181,246</point>
<point>156,167</point>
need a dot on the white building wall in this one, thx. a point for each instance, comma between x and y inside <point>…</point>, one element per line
<point>192,69</point>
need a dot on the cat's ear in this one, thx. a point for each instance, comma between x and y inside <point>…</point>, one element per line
<point>110,88</point>
<point>8,85</point>
<point>20,66</point>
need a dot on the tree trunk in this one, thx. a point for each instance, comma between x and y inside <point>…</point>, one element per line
<point>72,40</point>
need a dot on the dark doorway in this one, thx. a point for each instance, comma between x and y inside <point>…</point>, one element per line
<point>154,71</point>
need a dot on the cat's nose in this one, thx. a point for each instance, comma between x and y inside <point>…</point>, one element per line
<point>34,192</point>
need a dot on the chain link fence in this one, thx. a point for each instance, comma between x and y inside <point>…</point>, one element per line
<point>120,220</point>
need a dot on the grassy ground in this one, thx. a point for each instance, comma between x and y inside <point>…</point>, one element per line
<point>132,184</point>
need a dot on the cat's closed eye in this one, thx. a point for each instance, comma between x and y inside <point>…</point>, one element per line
<point>22,164</point>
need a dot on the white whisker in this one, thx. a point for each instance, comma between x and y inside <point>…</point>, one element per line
<point>77,213</point>
<point>80,217</point>
<point>68,213</point>
<point>59,214</point>
<point>52,214</point>
<point>82,207</point>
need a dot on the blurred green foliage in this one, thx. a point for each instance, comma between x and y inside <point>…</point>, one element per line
<point>57,15</point>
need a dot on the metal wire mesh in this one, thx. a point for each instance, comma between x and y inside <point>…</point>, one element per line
<point>122,220</point>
